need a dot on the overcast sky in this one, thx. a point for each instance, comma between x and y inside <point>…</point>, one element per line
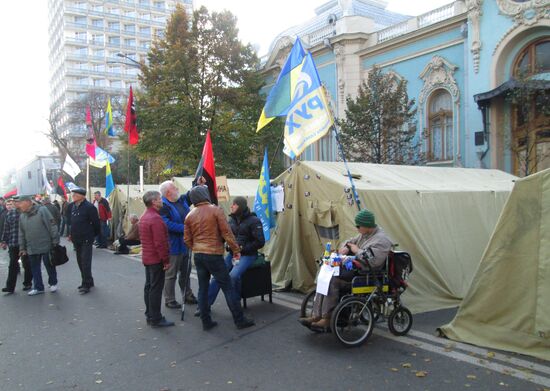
<point>24,69</point>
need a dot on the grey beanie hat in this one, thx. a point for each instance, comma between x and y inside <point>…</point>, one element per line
<point>199,194</point>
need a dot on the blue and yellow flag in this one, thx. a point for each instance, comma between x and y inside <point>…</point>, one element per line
<point>262,203</point>
<point>309,117</point>
<point>280,96</point>
<point>109,119</point>
<point>110,183</point>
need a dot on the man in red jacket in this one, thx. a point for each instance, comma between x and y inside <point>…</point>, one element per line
<point>104,211</point>
<point>155,255</point>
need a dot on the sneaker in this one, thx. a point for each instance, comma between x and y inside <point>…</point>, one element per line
<point>245,323</point>
<point>191,299</point>
<point>84,290</point>
<point>27,287</point>
<point>7,290</point>
<point>197,313</point>
<point>34,292</point>
<point>53,288</point>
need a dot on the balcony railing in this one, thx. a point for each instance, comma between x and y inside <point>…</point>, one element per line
<point>393,31</point>
<point>319,35</point>
<point>427,19</point>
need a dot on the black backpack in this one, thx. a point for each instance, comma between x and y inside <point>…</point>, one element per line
<point>400,266</point>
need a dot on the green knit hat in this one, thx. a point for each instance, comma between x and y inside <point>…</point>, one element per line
<point>365,218</point>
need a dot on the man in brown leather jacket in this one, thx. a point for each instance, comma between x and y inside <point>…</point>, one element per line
<point>205,231</point>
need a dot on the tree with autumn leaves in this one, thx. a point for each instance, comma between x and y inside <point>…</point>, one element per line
<point>198,77</point>
<point>379,126</point>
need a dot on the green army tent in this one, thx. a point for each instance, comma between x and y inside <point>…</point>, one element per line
<point>507,305</point>
<point>237,187</point>
<point>442,216</point>
<point>118,200</point>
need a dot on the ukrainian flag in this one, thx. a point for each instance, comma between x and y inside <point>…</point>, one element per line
<point>110,183</point>
<point>262,202</point>
<point>109,120</point>
<point>280,96</point>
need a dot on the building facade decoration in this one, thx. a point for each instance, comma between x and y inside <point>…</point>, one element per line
<point>438,74</point>
<point>474,16</point>
<point>457,61</point>
<point>525,12</point>
<point>339,54</point>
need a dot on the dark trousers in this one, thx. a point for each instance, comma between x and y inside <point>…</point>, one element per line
<point>124,243</point>
<point>213,265</point>
<point>184,279</point>
<point>152,292</point>
<point>36,268</point>
<point>103,233</point>
<point>84,259</point>
<point>13,269</point>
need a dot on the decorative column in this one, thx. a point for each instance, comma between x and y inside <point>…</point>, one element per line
<point>474,16</point>
<point>339,56</point>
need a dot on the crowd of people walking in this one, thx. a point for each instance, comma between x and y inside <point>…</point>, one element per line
<point>174,230</point>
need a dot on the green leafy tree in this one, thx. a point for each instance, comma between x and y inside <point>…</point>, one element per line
<point>199,77</point>
<point>379,123</point>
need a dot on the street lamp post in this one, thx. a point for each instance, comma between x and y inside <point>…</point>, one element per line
<point>134,63</point>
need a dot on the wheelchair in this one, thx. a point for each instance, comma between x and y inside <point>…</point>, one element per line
<point>372,296</point>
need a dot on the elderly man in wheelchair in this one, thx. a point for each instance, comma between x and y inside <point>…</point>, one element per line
<point>370,248</point>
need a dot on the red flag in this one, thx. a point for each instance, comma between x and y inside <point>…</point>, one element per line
<point>60,188</point>
<point>130,126</point>
<point>207,169</point>
<point>90,140</point>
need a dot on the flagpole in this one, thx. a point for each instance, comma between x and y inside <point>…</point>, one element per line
<point>128,184</point>
<point>341,149</point>
<point>88,176</point>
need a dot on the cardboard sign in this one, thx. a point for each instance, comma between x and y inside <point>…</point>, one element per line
<point>223,189</point>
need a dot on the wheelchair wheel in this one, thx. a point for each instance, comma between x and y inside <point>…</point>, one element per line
<point>352,322</point>
<point>400,321</point>
<point>306,309</point>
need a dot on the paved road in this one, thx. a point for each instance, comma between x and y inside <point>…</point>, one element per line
<point>64,341</point>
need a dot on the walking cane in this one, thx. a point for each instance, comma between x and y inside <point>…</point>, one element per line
<point>184,290</point>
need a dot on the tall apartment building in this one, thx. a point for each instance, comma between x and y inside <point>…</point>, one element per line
<point>96,45</point>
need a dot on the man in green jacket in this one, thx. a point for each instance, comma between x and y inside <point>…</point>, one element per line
<point>37,235</point>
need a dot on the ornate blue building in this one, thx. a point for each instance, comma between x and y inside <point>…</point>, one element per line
<point>461,62</point>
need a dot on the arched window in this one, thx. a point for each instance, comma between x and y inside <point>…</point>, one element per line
<point>533,59</point>
<point>531,122</point>
<point>440,116</point>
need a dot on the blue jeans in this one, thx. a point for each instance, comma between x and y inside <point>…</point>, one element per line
<point>213,265</point>
<point>235,272</point>
<point>36,269</point>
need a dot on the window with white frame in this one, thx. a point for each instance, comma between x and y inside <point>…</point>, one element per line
<point>440,119</point>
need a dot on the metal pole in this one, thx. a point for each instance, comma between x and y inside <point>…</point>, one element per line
<point>353,189</point>
<point>88,177</point>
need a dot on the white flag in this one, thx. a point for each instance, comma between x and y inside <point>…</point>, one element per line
<point>45,182</point>
<point>70,167</point>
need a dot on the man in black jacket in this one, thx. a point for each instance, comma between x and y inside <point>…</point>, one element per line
<point>84,223</point>
<point>248,231</point>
